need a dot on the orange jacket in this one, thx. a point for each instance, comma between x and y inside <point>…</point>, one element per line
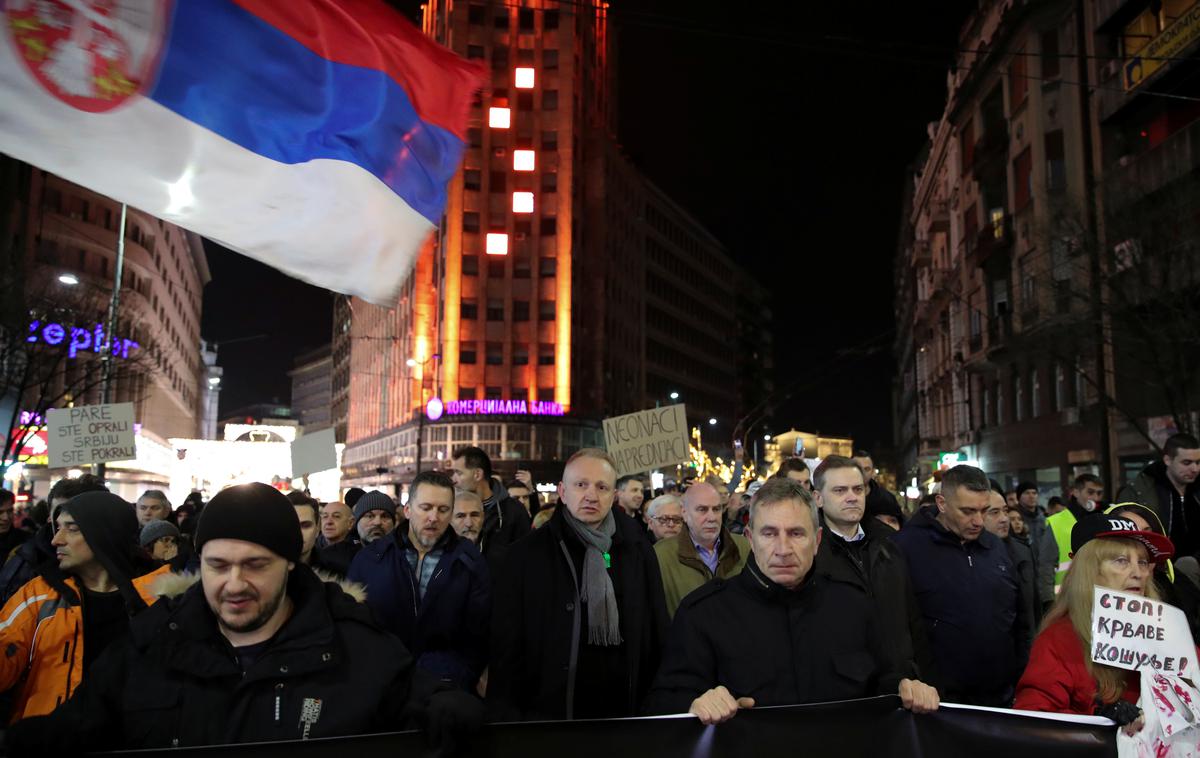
<point>41,644</point>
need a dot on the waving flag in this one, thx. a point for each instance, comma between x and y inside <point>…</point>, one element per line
<point>317,136</point>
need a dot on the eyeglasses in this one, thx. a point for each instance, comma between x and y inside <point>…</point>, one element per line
<point>669,520</point>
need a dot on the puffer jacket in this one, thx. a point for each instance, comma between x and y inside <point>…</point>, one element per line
<point>41,636</point>
<point>330,671</point>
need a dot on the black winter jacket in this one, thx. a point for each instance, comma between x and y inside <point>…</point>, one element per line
<point>970,598</point>
<point>177,683</point>
<point>447,630</point>
<point>883,577</point>
<point>815,644</point>
<point>503,524</point>
<point>22,567</point>
<point>538,622</point>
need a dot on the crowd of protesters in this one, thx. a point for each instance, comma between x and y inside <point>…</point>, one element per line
<point>260,616</point>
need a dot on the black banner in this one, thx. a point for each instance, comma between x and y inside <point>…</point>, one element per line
<point>874,727</point>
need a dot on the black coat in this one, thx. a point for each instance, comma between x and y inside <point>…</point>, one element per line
<point>1020,552</point>
<point>337,558</point>
<point>883,577</point>
<point>781,647</point>
<point>539,623</point>
<point>176,681</point>
<point>23,565</point>
<point>503,524</point>
<point>447,630</point>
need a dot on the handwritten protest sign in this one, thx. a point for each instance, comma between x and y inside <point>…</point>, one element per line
<point>1133,632</point>
<point>89,434</point>
<point>647,439</point>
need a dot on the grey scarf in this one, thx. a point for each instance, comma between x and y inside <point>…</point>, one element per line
<point>604,627</point>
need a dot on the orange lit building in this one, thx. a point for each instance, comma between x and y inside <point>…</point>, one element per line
<point>550,282</point>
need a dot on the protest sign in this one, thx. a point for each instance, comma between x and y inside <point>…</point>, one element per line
<point>1134,632</point>
<point>89,434</point>
<point>314,452</point>
<point>647,439</point>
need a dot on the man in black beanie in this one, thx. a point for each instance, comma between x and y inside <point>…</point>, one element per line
<point>98,579</point>
<point>259,650</point>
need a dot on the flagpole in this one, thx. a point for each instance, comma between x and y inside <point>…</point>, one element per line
<point>110,327</point>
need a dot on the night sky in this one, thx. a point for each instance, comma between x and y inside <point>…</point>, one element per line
<point>785,128</point>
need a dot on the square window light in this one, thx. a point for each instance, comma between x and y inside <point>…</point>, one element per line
<point>523,160</point>
<point>499,118</point>
<point>497,243</point>
<point>523,78</point>
<point>522,202</point>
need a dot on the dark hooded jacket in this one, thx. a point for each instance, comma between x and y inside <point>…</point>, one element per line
<point>817,643</point>
<point>447,629</point>
<point>504,522</point>
<point>541,664</point>
<point>969,594</point>
<point>177,682</point>
<point>1179,516</point>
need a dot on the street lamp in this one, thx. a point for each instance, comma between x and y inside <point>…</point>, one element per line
<point>413,363</point>
<point>766,438</point>
<point>214,381</point>
<point>674,395</point>
<point>712,422</point>
<point>68,279</point>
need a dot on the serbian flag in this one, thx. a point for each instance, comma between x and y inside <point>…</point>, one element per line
<point>317,136</point>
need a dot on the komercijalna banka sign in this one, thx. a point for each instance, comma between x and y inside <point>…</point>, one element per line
<point>503,407</point>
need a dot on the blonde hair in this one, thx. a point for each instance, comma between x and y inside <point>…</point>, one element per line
<point>1075,602</point>
<point>592,452</point>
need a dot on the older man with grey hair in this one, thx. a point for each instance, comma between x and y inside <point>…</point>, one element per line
<point>664,517</point>
<point>705,550</point>
<point>747,641</point>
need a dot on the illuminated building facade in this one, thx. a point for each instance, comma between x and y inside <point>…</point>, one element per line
<point>69,232</point>
<point>560,279</point>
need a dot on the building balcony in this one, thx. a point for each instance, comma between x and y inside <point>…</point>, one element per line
<point>1134,177</point>
<point>991,148</point>
<point>921,252</point>
<point>992,239</point>
<point>939,216</point>
<point>940,281</point>
<point>999,331</point>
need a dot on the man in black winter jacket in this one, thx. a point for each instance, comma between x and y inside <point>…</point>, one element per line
<point>22,566</point>
<point>259,650</point>
<point>858,551</point>
<point>779,633</point>
<point>579,619</point>
<point>505,520</point>
<point>430,587</point>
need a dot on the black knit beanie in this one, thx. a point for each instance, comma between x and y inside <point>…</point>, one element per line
<point>110,527</point>
<point>256,513</point>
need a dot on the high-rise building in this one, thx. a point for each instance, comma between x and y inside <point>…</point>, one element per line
<point>311,389</point>
<point>67,255</point>
<point>562,286</point>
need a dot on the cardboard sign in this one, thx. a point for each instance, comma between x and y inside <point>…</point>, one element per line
<point>88,434</point>
<point>648,439</point>
<point>1136,633</point>
<point>314,452</point>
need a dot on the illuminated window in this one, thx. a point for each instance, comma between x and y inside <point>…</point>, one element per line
<point>522,202</point>
<point>523,78</point>
<point>497,243</point>
<point>499,118</point>
<point>524,160</point>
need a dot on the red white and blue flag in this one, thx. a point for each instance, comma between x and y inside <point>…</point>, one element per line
<point>317,136</point>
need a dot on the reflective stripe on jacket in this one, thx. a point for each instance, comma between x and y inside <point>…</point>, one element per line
<point>41,644</point>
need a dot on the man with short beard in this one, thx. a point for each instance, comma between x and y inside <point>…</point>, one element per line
<point>260,649</point>
<point>468,515</point>
<point>374,516</point>
<point>429,586</point>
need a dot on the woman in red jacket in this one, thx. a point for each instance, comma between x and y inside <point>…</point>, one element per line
<point>1107,551</point>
